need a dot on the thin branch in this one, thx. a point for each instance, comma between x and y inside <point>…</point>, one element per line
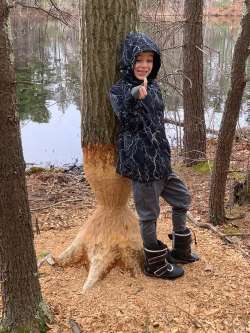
<point>171,48</point>
<point>55,204</point>
<point>202,50</point>
<point>59,15</point>
<point>181,124</point>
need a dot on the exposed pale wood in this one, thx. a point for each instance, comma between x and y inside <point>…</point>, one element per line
<point>111,235</point>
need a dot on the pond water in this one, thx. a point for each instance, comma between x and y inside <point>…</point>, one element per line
<point>47,66</point>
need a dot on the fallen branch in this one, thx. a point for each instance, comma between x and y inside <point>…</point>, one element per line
<point>209,227</point>
<point>55,204</point>
<point>74,326</point>
<point>238,217</point>
<point>237,234</point>
<point>217,232</point>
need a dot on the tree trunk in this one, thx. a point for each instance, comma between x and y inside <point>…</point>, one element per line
<point>194,120</point>
<point>21,294</point>
<point>111,234</point>
<point>229,121</point>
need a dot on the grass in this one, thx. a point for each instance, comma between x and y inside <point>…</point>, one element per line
<point>203,167</point>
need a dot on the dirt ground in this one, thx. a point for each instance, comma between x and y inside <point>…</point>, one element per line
<point>212,296</point>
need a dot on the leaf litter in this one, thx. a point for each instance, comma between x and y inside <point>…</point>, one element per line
<point>213,295</point>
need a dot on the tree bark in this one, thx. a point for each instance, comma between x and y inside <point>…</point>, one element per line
<point>21,294</point>
<point>194,120</point>
<point>229,121</point>
<point>111,235</point>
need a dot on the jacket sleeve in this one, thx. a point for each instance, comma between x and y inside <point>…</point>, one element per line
<point>127,108</point>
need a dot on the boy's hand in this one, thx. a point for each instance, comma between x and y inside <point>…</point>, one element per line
<point>142,93</point>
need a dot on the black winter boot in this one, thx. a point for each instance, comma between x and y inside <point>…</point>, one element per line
<point>157,265</point>
<point>181,250</point>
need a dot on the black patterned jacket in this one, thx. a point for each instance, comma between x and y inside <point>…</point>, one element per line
<point>143,149</point>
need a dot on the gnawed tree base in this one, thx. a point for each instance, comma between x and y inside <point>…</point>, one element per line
<point>111,235</point>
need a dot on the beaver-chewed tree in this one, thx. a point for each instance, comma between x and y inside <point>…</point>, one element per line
<point>111,235</point>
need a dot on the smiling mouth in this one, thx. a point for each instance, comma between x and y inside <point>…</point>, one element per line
<point>142,73</point>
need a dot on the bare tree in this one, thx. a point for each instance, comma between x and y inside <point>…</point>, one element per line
<point>194,119</point>
<point>229,121</point>
<point>111,234</point>
<point>23,308</point>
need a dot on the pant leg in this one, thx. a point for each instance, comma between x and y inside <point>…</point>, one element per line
<point>177,195</point>
<point>146,198</point>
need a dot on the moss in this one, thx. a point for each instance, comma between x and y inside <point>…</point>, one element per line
<point>33,170</point>
<point>238,176</point>
<point>41,319</point>
<point>42,255</point>
<point>222,4</point>
<point>18,330</point>
<point>203,167</point>
<point>230,229</point>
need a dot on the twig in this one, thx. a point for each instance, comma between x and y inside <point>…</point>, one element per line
<point>171,48</point>
<point>48,258</point>
<point>27,82</point>
<point>59,13</point>
<point>55,204</point>
<point>201,50</point>
<point>181,124</point>
<point>37,226</point>
<point>195,321</point>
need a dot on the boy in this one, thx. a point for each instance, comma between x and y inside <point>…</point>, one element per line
<point>144,156</point>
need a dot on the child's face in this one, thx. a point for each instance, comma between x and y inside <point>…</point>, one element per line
<point>143,65</point>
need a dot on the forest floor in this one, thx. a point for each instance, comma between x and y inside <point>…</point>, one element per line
<point>212,296</point>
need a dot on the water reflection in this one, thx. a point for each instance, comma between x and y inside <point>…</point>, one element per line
<point>47,65</point>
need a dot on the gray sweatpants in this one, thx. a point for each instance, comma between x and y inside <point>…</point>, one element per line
<point>146,198</point>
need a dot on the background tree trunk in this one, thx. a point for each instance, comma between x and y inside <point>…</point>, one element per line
<point>21,294</point>
<point>229,121</point>
<point>111,235</point>
<point>194,121</point>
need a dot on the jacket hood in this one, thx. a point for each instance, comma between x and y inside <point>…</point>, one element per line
<point>135,43</point>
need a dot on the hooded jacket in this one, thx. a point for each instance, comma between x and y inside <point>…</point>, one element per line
<point>143,149</point>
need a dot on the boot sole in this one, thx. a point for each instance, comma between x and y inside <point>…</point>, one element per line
<point>185,262</point>
<point>162,277</point>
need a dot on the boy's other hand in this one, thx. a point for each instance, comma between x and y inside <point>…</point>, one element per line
<point>143,89</point>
